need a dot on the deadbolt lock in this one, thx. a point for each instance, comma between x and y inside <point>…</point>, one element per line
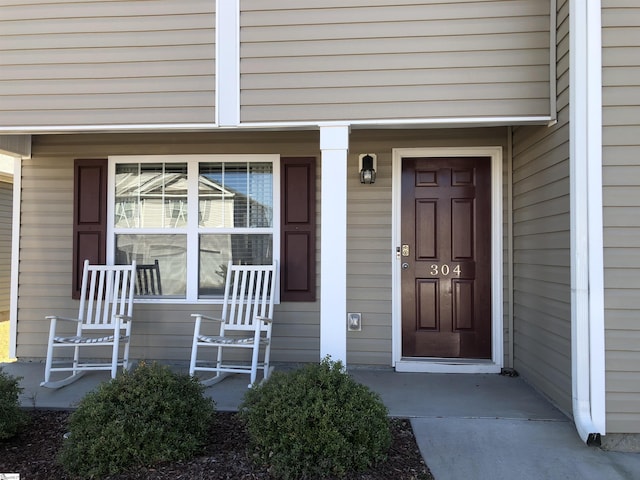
<point>405,250</point>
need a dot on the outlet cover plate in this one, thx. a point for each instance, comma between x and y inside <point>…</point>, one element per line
<point>354,322</point>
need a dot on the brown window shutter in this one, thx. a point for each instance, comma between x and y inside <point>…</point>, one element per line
<point>298,230</point>
<point>89,216</point>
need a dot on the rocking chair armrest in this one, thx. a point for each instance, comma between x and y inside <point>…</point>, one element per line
<point>58,317</point>
<point>208,318</point>
<point>264,319</point>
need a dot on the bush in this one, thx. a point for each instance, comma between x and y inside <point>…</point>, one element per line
<point>12,418</point>
<point>137,419</point>
<point>314,422</point>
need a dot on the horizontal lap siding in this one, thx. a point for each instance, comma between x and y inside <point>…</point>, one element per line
<point>541,243</point>
<point>354,60</point>
<point>6,206</point>
<point>163,331</point>
<point>45,264</point>
<point>160,331</point>
<point>370,253</point>
<point>621,198</point>
<point>108,62</point>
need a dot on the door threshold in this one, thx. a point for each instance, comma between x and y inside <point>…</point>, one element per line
<point>446,365</point>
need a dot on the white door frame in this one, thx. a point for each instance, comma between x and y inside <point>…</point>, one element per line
<point>449,365</point>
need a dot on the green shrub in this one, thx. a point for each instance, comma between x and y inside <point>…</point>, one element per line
<point>137,419</point>
<point>316,421</point>
<point>12,418</point>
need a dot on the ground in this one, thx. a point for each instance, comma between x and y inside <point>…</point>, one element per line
<point>33,454</point>
<point>4,341</point>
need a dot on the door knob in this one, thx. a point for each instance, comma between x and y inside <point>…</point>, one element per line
<point>405,265</point>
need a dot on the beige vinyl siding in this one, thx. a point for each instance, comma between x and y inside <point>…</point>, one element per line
<point>161,332</point>
<point>621,199</point>
<point>15,145</point>
<point>358,60</point>
<point>6,210</point>
<point>541,241</point>
<point>370,253</point>
<point>106,62</point>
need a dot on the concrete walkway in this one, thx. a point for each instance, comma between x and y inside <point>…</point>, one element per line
<point>495,428</point>
<point>467,426</point>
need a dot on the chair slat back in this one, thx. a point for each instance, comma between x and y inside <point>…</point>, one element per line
<point>249,292</point>
<point>148,281</point>
<point>107,290</point>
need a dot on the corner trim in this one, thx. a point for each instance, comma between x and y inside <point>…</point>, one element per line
<point>15,257</point>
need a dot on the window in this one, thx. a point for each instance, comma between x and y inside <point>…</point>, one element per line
<point>192,214</point>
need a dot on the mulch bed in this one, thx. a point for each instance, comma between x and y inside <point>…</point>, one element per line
<point>33,454</point>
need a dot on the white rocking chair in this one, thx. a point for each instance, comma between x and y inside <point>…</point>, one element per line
<point>247,315</point>
<point>104,320</point>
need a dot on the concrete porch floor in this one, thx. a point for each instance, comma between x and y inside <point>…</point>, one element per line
<point>479,426</point>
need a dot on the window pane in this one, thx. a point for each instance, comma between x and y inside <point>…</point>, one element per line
<point>169,250</point>
<point>217,250</point>
<point>213,200</point>
<point>151,195</point>
<point>233,194</point>
<point>175,195</point>
<point>127,206</point>
<point>261,195</point>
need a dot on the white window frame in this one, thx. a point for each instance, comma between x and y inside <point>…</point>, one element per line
<point>192,230</point>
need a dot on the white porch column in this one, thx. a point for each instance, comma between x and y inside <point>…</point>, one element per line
<point>334,144</point>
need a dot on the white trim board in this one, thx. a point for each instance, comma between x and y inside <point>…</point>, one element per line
<point>457,122</point>
<point>497,320</point>
<point>15,257</point>
<point>227,102</point>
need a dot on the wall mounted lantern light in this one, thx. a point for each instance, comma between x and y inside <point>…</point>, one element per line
<point>368,164</point>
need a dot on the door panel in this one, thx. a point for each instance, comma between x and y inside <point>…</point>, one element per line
<point>446,257</point>
<point>426,240</point>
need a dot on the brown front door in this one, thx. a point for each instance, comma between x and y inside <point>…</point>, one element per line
<point>446,257</point>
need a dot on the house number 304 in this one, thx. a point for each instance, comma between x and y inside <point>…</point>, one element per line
<point>444,270</point>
